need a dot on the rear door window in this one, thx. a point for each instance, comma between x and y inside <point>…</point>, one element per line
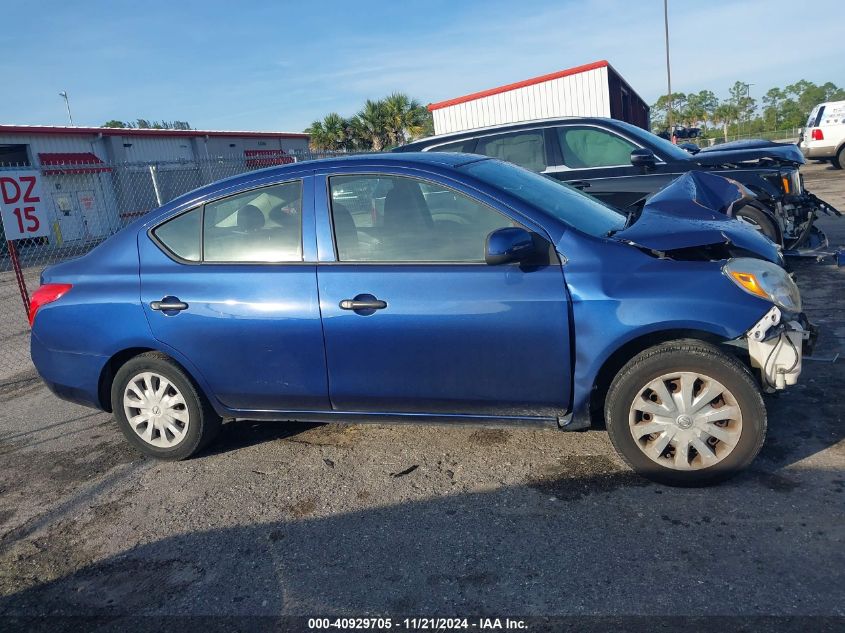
<point>525,148</point>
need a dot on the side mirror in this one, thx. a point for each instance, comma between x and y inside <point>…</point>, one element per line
<point>511,244</point>
<point>644,158</point>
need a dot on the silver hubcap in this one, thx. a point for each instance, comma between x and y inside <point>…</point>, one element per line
<point>685,421</point>
<point>156,410</point>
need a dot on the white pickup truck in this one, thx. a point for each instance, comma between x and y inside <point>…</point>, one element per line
<point>824,136</point>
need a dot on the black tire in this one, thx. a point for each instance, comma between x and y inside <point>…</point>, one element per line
<point>761,220</point>
<point>685,356</point>
<point>203,423</point>
<point>839,161</point>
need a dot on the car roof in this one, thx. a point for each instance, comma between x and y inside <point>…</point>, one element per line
<point>829,103</point>
<point>372,158</point>
<point>408,159</point>
<point>505,127</point>
<point>439,160</point>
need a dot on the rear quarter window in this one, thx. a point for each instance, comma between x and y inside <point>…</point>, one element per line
<point>816,116</point>
<point>181,235</point>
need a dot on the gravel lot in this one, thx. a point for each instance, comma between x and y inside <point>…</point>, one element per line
<point>352,520</point>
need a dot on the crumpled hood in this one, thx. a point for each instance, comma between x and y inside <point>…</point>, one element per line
<point>696,210</point>
<point>749,150</point>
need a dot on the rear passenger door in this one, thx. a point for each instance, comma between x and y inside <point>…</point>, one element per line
<point>231,286</point>
<point>526,148</point>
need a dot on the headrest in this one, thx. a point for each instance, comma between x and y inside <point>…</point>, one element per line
<point>250,218</point>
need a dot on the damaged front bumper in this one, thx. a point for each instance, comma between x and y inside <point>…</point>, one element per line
<point>819,205</point>
<point>802,237</point>
<point>776,345</point>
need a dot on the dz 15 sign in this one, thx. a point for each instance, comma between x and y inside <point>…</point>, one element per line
<point>21,205</point>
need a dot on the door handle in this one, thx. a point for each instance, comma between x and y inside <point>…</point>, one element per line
<point>362,304</point>
<point>169,303</point>
<point>580,184</point>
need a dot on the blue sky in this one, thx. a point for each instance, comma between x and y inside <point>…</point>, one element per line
<point>279,65</point>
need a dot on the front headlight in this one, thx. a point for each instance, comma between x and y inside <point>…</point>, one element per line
<point>765,280</point>
<point>790,183</point>
<point>797,182</point>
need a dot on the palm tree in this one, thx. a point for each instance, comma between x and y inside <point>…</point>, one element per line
<point>406,118</point>
<point>329,134</point>
<point>371,124</point>
<point>726,113</point>
<point>318,138</point>
<point>335,128</point>
<point>357,134</point>
<point>382,123</point>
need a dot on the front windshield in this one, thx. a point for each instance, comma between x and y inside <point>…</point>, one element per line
<point>665,147</point>
<point>561,201</point>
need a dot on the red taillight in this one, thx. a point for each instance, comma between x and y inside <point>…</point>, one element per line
<point>47,293</point>
<point>817,135</point>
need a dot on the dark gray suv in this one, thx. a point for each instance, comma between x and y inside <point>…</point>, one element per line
<point>622,164</point>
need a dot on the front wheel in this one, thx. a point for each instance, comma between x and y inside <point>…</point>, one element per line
<point>760,220</point>
<point>685,413</point>
<point>160,410</point>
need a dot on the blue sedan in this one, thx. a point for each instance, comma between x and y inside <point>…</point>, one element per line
<point>433,288</point>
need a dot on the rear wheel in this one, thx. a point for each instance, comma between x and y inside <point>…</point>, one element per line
<point>839,161</point>
<point>685,413</point>
<point>760,220</point>
<point>160,410</point>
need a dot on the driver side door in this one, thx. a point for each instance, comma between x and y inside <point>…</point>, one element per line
<point>414,319</point>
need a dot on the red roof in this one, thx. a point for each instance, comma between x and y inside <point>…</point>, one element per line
<point>124,131</point>
<point>91,162</point>
<point>519,84</point>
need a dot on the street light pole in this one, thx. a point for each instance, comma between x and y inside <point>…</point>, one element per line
<point>668,71</point>
<point>63,94</point>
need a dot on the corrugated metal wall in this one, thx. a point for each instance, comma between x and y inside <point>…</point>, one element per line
<point>59,143</point>
<point>144,149</point>
<point>223,146</point>
<point>584,94</point>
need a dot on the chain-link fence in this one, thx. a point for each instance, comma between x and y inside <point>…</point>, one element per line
<point>84,205</point>
<point>786,135</point>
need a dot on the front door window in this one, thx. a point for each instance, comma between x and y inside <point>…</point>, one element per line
<point>385,218</point>
<point>588,147</point>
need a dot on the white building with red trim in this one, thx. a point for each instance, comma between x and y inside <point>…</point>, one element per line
<point>594,89</point>
<point>97,179</point>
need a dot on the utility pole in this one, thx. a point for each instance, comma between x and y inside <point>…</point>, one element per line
<point>668,71</point>
<point>63,94</point>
